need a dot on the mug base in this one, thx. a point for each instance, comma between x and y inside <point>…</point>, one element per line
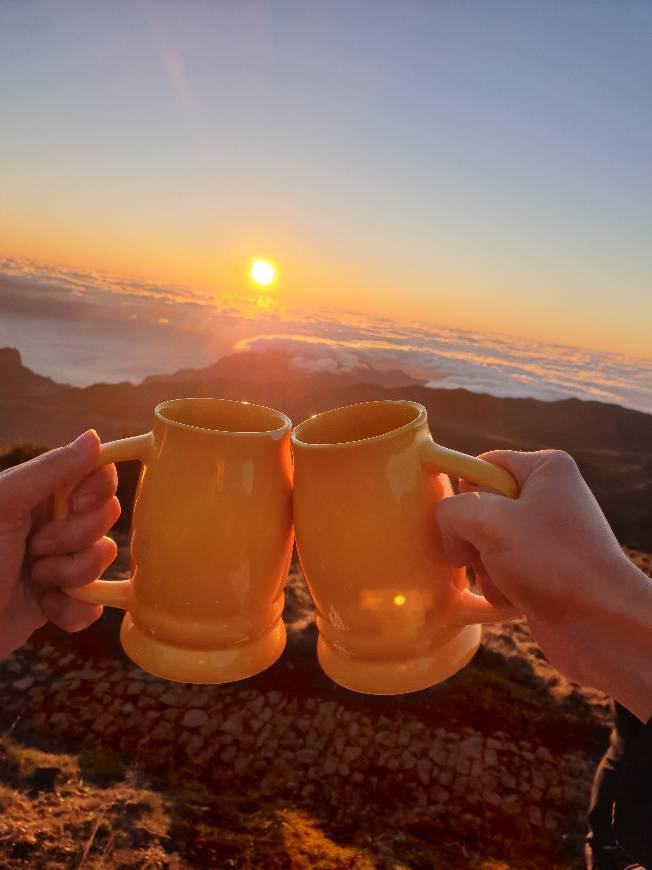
<point>406,675</point>
<point>201,666</point>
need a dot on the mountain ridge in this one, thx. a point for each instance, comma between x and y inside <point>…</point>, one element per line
<point>612,444</point>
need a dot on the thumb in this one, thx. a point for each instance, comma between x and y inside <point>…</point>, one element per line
<point>25,486</point>
<point>467,524</point>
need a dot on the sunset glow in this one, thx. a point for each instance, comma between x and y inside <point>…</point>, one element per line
<point>540,234</point>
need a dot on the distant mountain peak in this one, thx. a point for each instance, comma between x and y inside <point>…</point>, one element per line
<point>277,365</point>
<point>10,358</point>
<point>16,379</point>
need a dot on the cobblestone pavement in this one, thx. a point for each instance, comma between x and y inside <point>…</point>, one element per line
<point>304,742</point>
<point>300,738</point>
<point>450,756</point>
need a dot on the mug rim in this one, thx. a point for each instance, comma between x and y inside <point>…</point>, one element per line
<point>422,416</point>
<point>278,432</point>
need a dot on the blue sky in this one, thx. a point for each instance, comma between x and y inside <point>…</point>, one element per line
<point>475,163</point>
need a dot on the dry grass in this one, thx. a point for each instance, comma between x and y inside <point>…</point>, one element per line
<point>53,816</point>
<point>95,812</point>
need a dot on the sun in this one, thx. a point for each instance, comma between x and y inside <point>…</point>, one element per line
<point>262,272</point>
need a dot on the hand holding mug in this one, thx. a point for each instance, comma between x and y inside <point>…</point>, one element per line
<point>394,615</point>
<point>211,541</point>
<point>38,555</point>
<point>553,555</point>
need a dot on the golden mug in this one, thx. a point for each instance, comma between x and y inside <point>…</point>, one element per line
<point>393,615</point>
<point>211,541</point>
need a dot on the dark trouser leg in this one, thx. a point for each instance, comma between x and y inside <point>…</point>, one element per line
<point>605,853</point>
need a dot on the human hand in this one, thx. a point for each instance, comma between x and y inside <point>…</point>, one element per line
<point>39,555</point>
<point>552,554</point>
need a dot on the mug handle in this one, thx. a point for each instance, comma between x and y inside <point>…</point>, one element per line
<point>110,593</point>
<point>470,608</point>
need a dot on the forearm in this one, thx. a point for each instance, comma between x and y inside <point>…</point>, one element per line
<point>613,639</point>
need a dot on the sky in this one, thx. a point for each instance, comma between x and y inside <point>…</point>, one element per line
<point>483,165</point>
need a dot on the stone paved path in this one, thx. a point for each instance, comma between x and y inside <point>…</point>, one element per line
<point>303,745</point>
<point>506,749</point>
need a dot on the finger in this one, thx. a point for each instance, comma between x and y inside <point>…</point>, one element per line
<point>520,464</point>
<point>469,486</point>
<point>27,485</point>
<point>469,523</point>
<point>68,613</point>
<point>76,532</point>
<point>459,553</point>
<point>488,588</point>
<point>97,487</point>
<point>76,569</point>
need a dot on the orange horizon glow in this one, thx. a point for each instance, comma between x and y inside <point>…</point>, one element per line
<point>351,292</point>
<point>520,208</point>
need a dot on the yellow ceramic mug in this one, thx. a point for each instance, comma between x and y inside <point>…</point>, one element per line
<point>392,615</point>
<point>211,541</point>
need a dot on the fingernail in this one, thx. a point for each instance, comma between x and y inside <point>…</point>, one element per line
<point>84,502</point>
<point>86,444</point>
<point>42,547</point>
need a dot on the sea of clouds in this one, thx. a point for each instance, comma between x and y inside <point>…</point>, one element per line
<point>83,327</point>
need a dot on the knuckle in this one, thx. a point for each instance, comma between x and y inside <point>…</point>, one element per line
<point>68,614</point>
<point>54,456</point>
<point>485,517</point>
<point>52,608</point>
<point>88,618</point>
<point>109,516</point>
<point>59,531</point>
<point>561,460</point>
<point>106,479</point>
<point>73,623</point>
<point>97,556</point>
<point>73,569</point>
<point>79,568</point>
<point>70,535</point>
<point>496,521</point>
<point>109,551</point>
<point>61,569</point>
<point>83,531</point>
<point>57,457</point>
<point>445,513</point>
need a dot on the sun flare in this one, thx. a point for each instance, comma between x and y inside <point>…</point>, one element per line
<point>262,272</point>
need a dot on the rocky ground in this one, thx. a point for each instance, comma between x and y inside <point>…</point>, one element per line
<point>103,765</point>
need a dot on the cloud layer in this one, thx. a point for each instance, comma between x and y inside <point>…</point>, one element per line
<point>87,326</point>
